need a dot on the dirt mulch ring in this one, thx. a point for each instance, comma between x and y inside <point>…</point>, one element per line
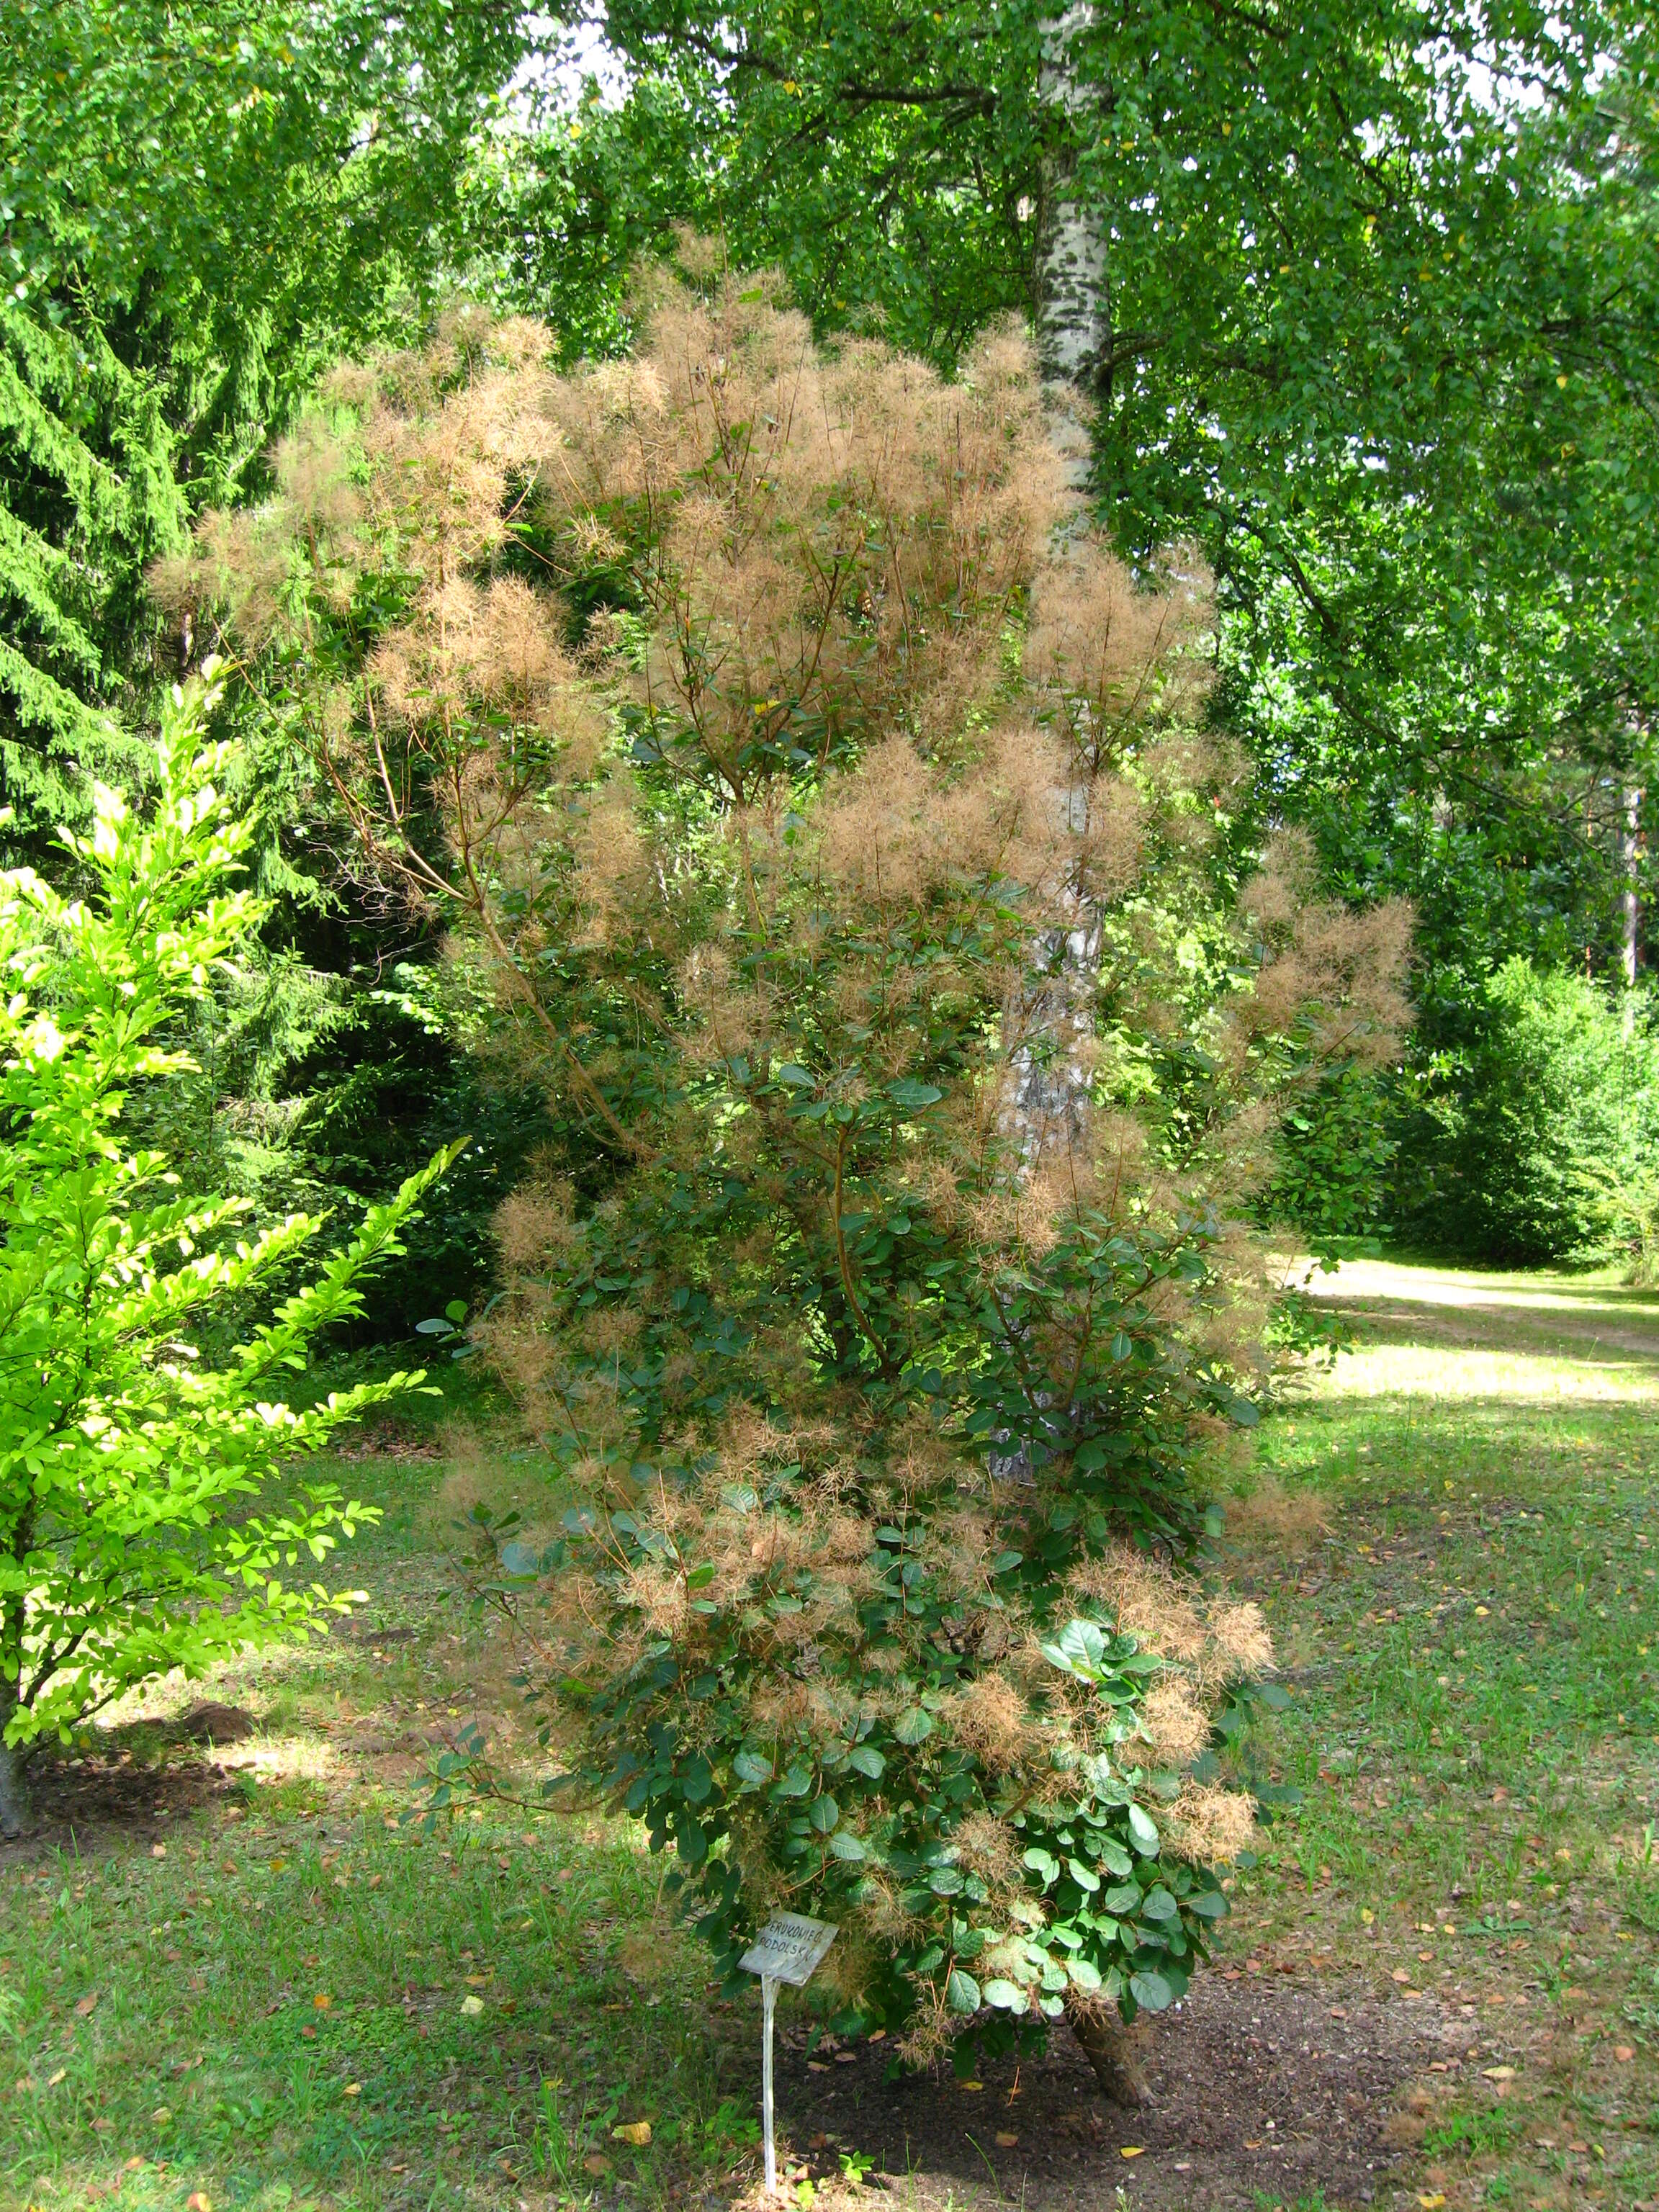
<point>132,1787</point>
<point>1260,2097</point>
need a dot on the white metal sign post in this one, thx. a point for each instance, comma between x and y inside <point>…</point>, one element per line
<point>789,1948</point>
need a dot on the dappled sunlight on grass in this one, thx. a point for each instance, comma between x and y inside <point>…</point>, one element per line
<point>1474,1660</point>
<point>1417,1373</point>
<point>1583,1295</point>
<point>300,2004</point>
<point>1439,1333</point>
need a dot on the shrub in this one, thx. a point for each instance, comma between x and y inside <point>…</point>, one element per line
<point>847,856</point>
<point>1333,1179</point>
<point>1534,1134</point>
<point>127,1463</point>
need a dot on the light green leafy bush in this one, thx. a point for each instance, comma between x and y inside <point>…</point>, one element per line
<point>127,1462</point>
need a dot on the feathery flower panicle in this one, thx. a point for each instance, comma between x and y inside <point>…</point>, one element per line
<point>835,821</point>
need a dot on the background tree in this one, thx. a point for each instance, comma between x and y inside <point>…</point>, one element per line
<point>1373,316</point>
<point>198,206</point>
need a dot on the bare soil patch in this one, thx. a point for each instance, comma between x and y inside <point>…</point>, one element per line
<point>1263,2091</point>
<point>132,1792</point>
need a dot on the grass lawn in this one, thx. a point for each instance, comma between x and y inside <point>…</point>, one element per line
<point>241,1979</point>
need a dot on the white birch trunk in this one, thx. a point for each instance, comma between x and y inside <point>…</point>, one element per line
<point>1630,900</point>
<point>1073,325</point>
<point>1074,294</point>
<point>1051,1084</point>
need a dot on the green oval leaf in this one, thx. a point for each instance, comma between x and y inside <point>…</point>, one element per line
<point>1007,1996</point>
<point>1151,1991</point>
<point>1144,1829</point>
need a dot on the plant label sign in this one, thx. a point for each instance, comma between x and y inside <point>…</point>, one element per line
<point>789,1948</point>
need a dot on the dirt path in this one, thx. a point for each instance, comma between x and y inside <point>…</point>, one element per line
<point>1582,1314</point>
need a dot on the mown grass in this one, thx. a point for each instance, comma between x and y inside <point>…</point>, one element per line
<point>297,2001</point>
<point>297,1996</point>
<point>1474,1650</point>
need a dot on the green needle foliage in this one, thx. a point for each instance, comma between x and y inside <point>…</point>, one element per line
<point>127,1464</point>
<point>199,205</point>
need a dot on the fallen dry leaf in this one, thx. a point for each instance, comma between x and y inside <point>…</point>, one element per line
<point>198,2201</point>
<point>84,2005</point>
<point>1007,2141</point>
<point>1624,2053</point>
<point>1131,2150</point>
<point>1499,2073</point>
<point>637,2132</point>
<point>322,2001</point>
<point>59,2077</point>
<point>158,1850</point>
<point>162,2116</point>
<point>595,2163</point>
<point>472,2007</point>
<point>1433,2204</point>
<point>354,2089</point>
<point>1400,1975</point>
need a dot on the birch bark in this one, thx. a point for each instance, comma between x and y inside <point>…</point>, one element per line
<point>1629,896</point>
<point>1074,324</point>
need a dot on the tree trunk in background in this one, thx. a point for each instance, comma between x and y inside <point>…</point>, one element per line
<point>1073,327</point>
<point>1073,290</point>
<point>1074,317</point>
<point>14,1799</point>
<point>1630,902</point>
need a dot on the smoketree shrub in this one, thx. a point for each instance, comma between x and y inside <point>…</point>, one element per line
<point>129,1464</point>
<point>832,816</point>
<point>1531,1139</point>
